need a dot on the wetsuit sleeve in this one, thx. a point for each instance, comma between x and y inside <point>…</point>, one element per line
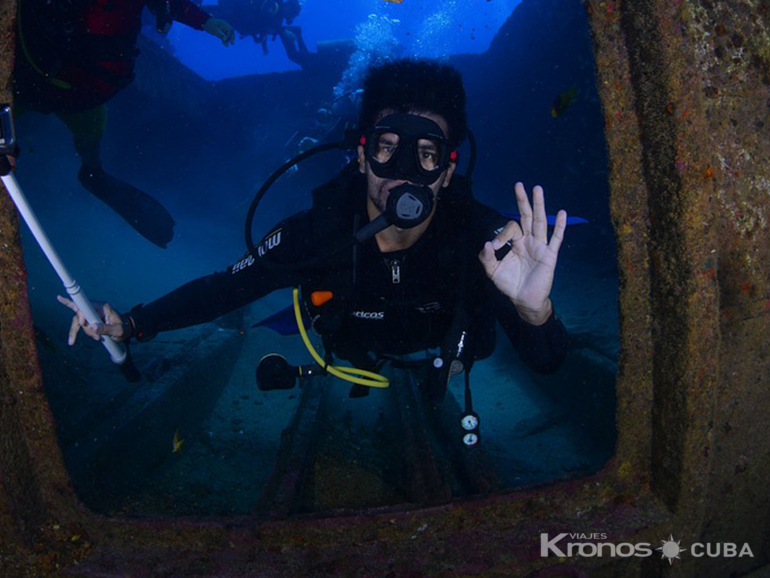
<point>188,13</point>
<point>209,297</point>
<point>541,347</point>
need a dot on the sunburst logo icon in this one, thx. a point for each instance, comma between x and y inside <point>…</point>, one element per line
<point>671,549</point>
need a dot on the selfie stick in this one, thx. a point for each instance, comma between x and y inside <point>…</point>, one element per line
<point>118,352</point>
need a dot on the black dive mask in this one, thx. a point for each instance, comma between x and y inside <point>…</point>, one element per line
<point>408,147</point>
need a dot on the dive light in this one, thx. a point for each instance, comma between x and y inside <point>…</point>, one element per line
<point>7,131</point>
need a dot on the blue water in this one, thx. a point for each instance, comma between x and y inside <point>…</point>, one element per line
<point>203,146</point>
<point>420,27</point>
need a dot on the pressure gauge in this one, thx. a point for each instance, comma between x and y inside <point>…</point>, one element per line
<point>470,439</point>
<point>469,421</point>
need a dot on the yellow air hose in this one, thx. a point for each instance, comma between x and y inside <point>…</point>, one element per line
<point>369,378</point>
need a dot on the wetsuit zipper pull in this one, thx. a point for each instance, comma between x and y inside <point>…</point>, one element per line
<point>395,271</point>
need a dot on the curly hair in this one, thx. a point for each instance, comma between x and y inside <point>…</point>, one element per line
<point>411,85</point>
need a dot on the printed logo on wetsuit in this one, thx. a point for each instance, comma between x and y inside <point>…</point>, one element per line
<point>243,263</point>
<point>270,243</point>
<point>377,315</point>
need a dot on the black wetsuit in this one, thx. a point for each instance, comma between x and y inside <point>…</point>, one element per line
<point>383,303</point>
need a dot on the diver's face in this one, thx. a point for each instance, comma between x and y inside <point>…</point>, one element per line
<point>378,188</point>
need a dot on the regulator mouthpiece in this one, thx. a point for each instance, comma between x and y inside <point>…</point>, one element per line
<point>408,205</point>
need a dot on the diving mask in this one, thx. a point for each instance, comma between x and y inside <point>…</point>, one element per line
<point>408,147</point>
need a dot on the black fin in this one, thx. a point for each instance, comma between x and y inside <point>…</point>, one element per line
<point>143,212</point>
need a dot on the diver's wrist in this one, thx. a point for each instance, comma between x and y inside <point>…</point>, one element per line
<point>128,326</point>
<point>535,316</point>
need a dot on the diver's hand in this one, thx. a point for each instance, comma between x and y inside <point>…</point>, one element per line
<point>221,29</point>
<point>112,326</point>
<point>525,274</point>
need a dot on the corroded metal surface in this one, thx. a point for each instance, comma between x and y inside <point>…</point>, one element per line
<point>34,487</point>
<point>631,219</point>
<point>723,53</point>
<point>700,74</point>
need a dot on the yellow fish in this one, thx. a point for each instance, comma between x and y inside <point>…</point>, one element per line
<point>563,101</point>
<point>177,444</point>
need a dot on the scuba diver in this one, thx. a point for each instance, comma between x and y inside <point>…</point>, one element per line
<point>261,19</point>
<point>73,57</point>
<point>395,256</point>
<point>331,122</point>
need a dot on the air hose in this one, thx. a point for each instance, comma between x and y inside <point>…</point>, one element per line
<point>352,374</point>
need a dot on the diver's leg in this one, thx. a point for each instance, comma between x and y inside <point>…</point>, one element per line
<point>87,129</point>
<point>140,210</point>
<point>289,41</point>
<point>297,31</point>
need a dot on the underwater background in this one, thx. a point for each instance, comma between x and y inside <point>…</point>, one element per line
<point>200,128</point>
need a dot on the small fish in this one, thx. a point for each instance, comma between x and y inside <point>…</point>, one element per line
<point>395,1</point>
<point>177,443</point>
<point>563,101</point>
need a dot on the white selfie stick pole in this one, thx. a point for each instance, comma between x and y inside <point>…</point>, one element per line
<point>118,352</point>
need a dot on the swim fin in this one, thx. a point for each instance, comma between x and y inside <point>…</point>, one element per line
<point>140,210</point>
